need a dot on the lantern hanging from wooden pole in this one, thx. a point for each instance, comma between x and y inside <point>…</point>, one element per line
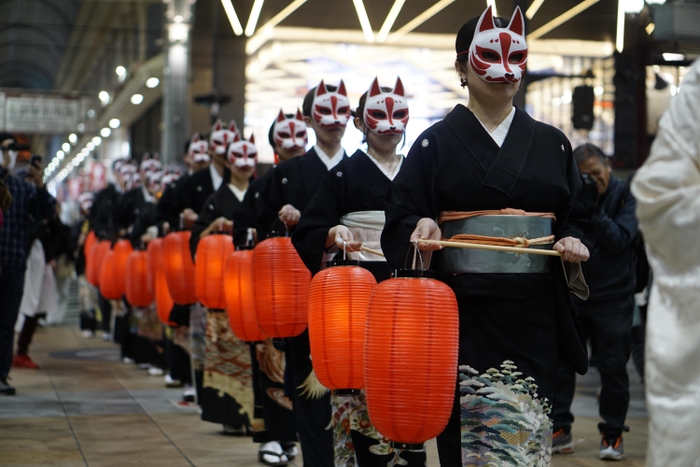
<point>411,357</point>
<point>108,285</point>
<point>240,301</point>
<point>338,301</point>
<point>210,264</point>
<point>179,268</point>
<point>137,291</point>
<point>122,250</point>
<point>281,288</point>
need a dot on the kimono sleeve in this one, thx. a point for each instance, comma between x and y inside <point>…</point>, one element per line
<point>270,202</point>
<point>410,198</point>
<point>210,212</point>
<point>244,217</point>
<point>318,218</point>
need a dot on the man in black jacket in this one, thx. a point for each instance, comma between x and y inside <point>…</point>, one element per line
<point>606,317</point>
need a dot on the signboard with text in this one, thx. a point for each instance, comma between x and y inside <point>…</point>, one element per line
<point>41,114</point>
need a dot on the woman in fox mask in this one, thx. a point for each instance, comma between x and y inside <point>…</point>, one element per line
<point>347,212</point>
<point>516,317</point>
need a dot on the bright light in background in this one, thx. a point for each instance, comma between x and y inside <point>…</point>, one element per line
<point>81,127</point>
<point>105,132</point>
<point>73,138</point>
<point>114,123</point>
<point>178,18</point>
<point>253,18</point>
<point>104,97</point>
<point>390,19</point>
<point>232,17</point>
<point>599,90</point>
<point>620,34</point>
<point>60,155</point>
<point>96,141</point>
<point>493,4</point>
<point>364,20</point>
<point>152,82</point>
<point>90,145</point>
<point>66,147</point>
<point>673,57</point>
<point>534,7</point>
<point>632,6</point>
<point>136,99</point>
<point>125,149</point>
<point>121,71</point>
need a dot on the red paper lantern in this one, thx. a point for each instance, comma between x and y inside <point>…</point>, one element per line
<point>411,358</point>
<point>137,291</point>
<point>240,301</point>
<point>122,250</point>
<point>153,247</point>
<point>108,284</point>
<point>281,287</point>
<point>212,252</point>
<point>90,240</point>
<point>99,250</point>
<point>338,300</point>
<point>164,302</point>
<point>179,268</point>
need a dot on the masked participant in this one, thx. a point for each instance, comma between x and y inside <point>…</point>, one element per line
<point>227,393</point>
<point>134,200</point>
<point>516,314</point>
<point>347,212</point>
<point>291,186</point>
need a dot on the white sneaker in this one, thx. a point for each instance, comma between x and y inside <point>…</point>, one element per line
<point>88,333</point>
<point>155,371</point>
<point>128,360</point>
<point>272,454</point>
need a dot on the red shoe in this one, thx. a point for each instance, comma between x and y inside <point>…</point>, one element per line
<point>23,361</point>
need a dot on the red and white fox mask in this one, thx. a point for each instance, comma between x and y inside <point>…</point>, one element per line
<point>149,164</point>
<point>221,137</point>
<point>499,55</point>
<point>290,133</point>
<point>241,153</point>
<point>331,108</point>
<point>198,150</point>
<point>386,113</point>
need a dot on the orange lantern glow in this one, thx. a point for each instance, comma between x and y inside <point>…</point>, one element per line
<point>179,268</point>
<point>153,247</point>
<point>411,357</point>
<point>108,284</point>
<point>212,252</point>
<point>156,267</point>
<point>281,288</point>
<point>122,250</point>
<point>137,291</point>
<point>90,240</point>
<point>240,301</point>
<point>99,250</point>
<point>338,300</point>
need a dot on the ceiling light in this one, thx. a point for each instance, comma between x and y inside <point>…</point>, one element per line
<point>114,123</point>
<point>599,90</point>
<point>104,97</point>
<point>60,155</point>
<point>81,126</point>
<point>253,18</point>
<point>390,19</point>
<point>632,6</point>
<point>121,71</point>
<point>105,132</point>
<point>650,28</point>
<point>533,8</point>
<point>656,2</point>
<point>561,19</point>
<point>673,57</point>
<point>492,3</point>
<point>136,99</point>
<point>90,145</point>
<point>364,20</point>
<point>96,141</point>
<point>420,19</point>
<point>232,17</point>
<point>73,138</point>
<point>178,18</point>
<point>152,82</point>
<point>66,147</point>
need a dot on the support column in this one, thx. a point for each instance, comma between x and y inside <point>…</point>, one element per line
<point>176,126</point>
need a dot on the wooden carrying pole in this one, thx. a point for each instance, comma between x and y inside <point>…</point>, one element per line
<point>478,246</point>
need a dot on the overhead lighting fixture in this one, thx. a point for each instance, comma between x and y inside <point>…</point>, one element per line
<point>390,20</point>
<point>561,19</point>
<point>60,155</point>
<point>492,3</point>
<point>81,127</point>
<point>66,147</point>
<point>178,18</point>
<point>673,57</point>
<point>105,132</point>
<point>114,123</point>
<point>254,16</point>
<point>136,99</point>
<point>656,2</point>
<point>90,145</point>
<point>121,71</point>
<point>632,6</point>
<point>364,20</point>
<point>232,17</point>
<point>420,19</point>
<point>104,97</point>
<point>96,141</point>
<point>620,33</point>
<point>282,15</point>
<point>650,28</point>
<point>533,9</point>
<point>152,82</point>
<point>73,138</point>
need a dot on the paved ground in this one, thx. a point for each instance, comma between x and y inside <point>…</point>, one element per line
<point>85,407</point>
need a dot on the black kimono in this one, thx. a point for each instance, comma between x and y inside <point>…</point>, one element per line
<point>295,182</point>
<point>355,185</point>
<point>221,203</point>
<point>244,217</point>
<point>169,208</point>
<point>195,190</point>
<point>510,324</point>
<point>102,212</point>
<point>129,208</point>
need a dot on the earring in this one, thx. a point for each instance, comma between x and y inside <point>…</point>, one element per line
<point>463,82</point>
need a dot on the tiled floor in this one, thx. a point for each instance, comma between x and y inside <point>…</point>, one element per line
<point>85,407</point>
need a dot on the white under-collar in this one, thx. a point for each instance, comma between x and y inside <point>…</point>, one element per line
<point>501,131</point>
<point>237,192</point>
<point>216,179</point>
<point>388,174</point>
<point>147,196</point>
<point>326,159</point>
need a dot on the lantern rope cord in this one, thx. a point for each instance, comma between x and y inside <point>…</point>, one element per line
<point>520,242</point>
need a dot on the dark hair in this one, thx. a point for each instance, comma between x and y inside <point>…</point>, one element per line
<point>588,150</point>
<point>465,36</point>
<point>309,99</point>
<point>271,133</point>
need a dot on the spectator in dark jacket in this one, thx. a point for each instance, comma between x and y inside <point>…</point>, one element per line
<point>606,317</point>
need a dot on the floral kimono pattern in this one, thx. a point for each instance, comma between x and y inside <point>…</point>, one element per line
<point>503,422</point>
